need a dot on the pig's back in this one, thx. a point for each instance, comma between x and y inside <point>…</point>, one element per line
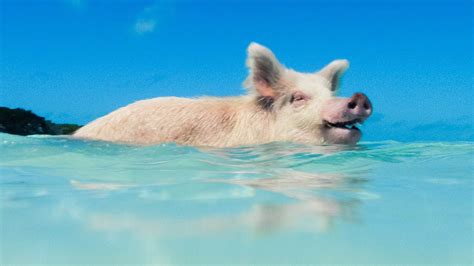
<point>168,119</point>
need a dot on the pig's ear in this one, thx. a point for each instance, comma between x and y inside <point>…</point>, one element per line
<point>334,71</point>
<point>265,70</point>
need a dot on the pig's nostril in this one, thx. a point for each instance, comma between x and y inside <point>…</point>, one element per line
<point>366,106</point>
<point>351,105</point>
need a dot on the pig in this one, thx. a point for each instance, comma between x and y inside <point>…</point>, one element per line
<point>281,105</point>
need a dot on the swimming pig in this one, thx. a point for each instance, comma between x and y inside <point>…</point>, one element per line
<point>281,105</point>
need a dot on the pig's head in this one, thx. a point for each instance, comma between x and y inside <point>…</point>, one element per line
<point>305,103</point>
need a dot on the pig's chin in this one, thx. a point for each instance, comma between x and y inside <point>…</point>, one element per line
<point>341,132</point>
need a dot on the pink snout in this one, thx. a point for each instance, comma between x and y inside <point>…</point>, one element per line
<point>341,117</point>
<point>359,106</point>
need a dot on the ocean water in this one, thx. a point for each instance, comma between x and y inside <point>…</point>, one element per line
<point>70,201</point>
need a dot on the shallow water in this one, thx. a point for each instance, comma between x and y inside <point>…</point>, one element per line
<point>71,201</point>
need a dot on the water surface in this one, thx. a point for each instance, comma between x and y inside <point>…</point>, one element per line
<point>72,201</point>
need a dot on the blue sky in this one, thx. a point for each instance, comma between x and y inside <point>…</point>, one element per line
<point>75,60</point>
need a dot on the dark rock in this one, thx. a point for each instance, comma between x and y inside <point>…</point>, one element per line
<point>23,122</point>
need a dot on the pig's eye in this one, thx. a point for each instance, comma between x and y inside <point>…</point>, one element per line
<point>298,97</point>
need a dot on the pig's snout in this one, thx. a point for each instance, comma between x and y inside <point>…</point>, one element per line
<point>359,106</point>
<point>341,116</point>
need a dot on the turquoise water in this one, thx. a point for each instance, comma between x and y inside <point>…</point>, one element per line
<point>71,201</point>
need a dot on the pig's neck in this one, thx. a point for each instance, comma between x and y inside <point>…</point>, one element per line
<point>254,123</point>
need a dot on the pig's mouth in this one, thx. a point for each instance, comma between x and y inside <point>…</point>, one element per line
<point>349,125</point>
<point>345,132</point>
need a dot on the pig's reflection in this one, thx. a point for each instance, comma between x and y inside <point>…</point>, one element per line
<point>309,211</point>
<point>305,209</point>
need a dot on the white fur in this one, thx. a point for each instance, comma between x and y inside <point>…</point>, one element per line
<point>232,121</point>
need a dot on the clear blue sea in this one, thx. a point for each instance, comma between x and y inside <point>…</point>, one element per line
<point>70,201</point>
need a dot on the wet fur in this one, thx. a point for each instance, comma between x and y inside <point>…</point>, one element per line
<point>265,115</point>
